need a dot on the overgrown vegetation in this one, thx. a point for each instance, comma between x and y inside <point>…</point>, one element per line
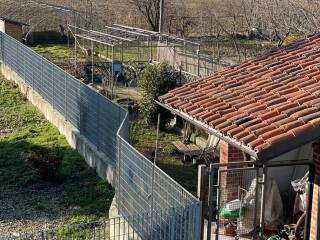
<point>155,81</point>
<point>56,53</point>
<point>23,129</point>
<point>45,161</point>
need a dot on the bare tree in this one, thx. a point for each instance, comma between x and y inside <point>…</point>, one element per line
<point>150,10</point>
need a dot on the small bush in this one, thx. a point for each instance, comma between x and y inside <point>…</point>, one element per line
<point>45,161</point>
<point>155,81</point>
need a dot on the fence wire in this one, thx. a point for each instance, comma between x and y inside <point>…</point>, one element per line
<point>141,187</point>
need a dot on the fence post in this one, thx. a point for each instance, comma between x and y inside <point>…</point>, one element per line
<point>202,192</point>
<point>174,56</point>
<point>52,81</point>
<point>1,47</point>
<point>98,122</point>
<point>41,80</point>
<point>198,55</point>
<point>263,194</point>
<point>17,68</point>
<point>24,67</point>
<point>151,48</point>
<point>118,171</point>
<point>199,232</point>
<point>185,56</point>
<point>65,97</point>
<point>213,169</point>
<point>80,107</point>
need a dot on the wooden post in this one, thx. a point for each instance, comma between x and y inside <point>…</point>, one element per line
<point>202,192</point>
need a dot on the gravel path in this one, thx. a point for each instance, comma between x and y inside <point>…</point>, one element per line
<point>33,208</point>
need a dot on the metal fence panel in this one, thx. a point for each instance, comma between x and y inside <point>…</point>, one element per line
<point>142,186</point>
<point>155,206</point>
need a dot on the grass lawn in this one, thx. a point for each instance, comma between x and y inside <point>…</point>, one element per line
<point>56,53</point>
<point>80,195</point>
<point>169,160</point>
<point>59,53</point>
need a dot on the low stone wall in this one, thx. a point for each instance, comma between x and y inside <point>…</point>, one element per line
<point>105,168</point>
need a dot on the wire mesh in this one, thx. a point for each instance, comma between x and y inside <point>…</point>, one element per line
<point>170,211</point>
<point>110,229</point>
<point>234,198</point>
<point>143,186</point>
<point>97,118</point>
<point>237,205</point>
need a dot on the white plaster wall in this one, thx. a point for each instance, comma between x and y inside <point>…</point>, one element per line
<point>284,175</point>
<point>2,26</point>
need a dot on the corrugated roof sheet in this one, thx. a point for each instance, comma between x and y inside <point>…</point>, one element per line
<point>264,103</point>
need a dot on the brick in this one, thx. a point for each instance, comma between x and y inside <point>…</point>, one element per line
<point>315,200</point>
<point>230,181</point>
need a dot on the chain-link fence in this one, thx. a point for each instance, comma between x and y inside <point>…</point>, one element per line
<point>171,212</point>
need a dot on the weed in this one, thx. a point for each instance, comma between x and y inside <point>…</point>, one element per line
<point>80,227</point>
<point>46,161</point>
<point>36,205</point>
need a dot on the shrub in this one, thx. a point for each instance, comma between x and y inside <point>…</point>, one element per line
<point>45,161</point>
<point>155,81</point>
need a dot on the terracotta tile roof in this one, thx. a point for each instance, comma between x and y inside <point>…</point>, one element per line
<point>264,104</point>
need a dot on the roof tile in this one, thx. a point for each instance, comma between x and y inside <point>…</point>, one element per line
<point>262,102</point>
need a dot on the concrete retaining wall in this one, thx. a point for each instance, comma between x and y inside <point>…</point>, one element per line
<point>94,158</point>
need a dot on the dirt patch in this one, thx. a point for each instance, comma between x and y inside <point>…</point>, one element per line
<point>32,208</point>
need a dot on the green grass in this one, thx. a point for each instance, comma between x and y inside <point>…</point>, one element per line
<point>59,53</point>
<point>81,227</point>
<point>129,53</point>
<point>23,128</point>
<point>54,52</point>
<point>169,160</point>
<point>36,205</point>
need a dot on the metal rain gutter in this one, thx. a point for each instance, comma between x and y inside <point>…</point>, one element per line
<point>211,130</point>
<point>261,156</point>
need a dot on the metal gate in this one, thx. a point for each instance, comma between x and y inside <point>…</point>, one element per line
<point>237,199</point>
<point>231,183</point>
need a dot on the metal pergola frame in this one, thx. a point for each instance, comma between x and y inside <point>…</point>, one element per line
<point>126,34</point>
<point>117,37</point>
